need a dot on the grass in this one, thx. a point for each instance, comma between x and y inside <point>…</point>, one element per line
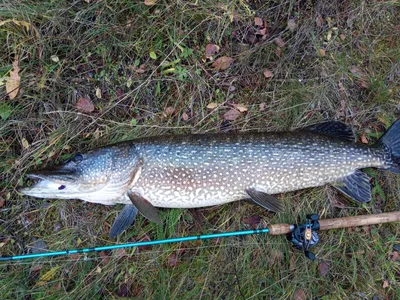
<point>145,59</point>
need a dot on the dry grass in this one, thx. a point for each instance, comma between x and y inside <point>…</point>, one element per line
<point>101,45</point>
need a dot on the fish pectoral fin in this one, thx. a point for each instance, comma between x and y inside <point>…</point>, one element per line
<point>124,219</point>
<point>145,207</point>
<point>333,128</point>
<point>264,200</point>
<point>356,186</point>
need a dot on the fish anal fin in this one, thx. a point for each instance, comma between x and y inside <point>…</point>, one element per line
<point>124,219</point>
<point>145,207</point>
<point>334,129</point>
<point>356,186</point>
<point>265,200</point>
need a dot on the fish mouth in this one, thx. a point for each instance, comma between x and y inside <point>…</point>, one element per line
<point>46,183</point>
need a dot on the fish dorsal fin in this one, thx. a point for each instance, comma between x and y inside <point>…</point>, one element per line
<point>264,200</point>
<point>145,207</point>
<point>356,186</point>
<point>124,219</point>
<point>333,128</point>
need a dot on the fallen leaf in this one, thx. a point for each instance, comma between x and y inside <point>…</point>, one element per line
<point>363,78</point>
<point>322,52</point>
<point>25,143</point>
<point>262,106</point>
<point>291,24</point>
<point>329,35</point>
<point>385,284</point>
<point>319,20</point>
<point>212,105</point>
<point>300,295</point>
<point>279,42</point>
<point>262,32</point>
<point>55,58</point>
<point>241,107</point>
<point>278,51</point>
<point>123,291</point>
<point>172,260</point>
<point>49,275</point>
<point>394,256</point>
<point>13,82</point>
<point>98,93</point>
<point>153,55</point>
<point>84,105</point>
<point>185,116</point>
<point>268,73</point>
<point>222,63</point>
<point>364,139</point>
<point>2,201</point>
<point>150,2</point>
<point>211,49</point>
<point>253,220</point>
<point>169,110</point>
<point>258,21</point>
<point>323,269</point>
<point>342,36</point>
<point>231,115</point>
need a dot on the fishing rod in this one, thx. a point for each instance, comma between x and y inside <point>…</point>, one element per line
<point>302,236</point>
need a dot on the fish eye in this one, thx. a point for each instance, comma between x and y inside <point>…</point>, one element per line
<point>77,158</point>
<point>61,187</point>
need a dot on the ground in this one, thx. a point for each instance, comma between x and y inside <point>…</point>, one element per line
<point>95,72</point>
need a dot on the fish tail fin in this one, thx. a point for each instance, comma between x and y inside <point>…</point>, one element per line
<point>391,143</point>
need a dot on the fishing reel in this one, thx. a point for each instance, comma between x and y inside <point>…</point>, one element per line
<point>305,236</point>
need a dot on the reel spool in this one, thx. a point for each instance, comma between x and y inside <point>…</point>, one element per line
<point>305,236</point>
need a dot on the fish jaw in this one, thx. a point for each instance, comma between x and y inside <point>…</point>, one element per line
<point>44,187</point>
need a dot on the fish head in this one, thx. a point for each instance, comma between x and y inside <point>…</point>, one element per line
<point>76,178</point>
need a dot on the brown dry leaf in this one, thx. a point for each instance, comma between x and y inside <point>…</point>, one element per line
<point>231,115</point>
<point>172,260</point>
<point>222,63</point>
<point>319,20</point>
<point>212,105</point>
<point>169,110</point>
<point>342,36</point>
<point>2,201</point>
<point>278,51</point>
<point>84,105</point>
<point>253,220</point>
<point>300,295</point>
<point>268,74</point>
<point>291,24</point>
<point>385,284</point>
<point>363,78</point>
<point>150,2</point>
<point>394,256</point>
<point>211,49</point>
<point>364,139</point>
<point>323,269</point>
<point>279,42</point>
<point>262,106</point>
<point>241,108</point>
<point>258,21</point>
<point>185,116</point>
<point>13,82</point>
<point>322,52</point>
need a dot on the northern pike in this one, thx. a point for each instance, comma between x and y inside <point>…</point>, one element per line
<point>189,171</point>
